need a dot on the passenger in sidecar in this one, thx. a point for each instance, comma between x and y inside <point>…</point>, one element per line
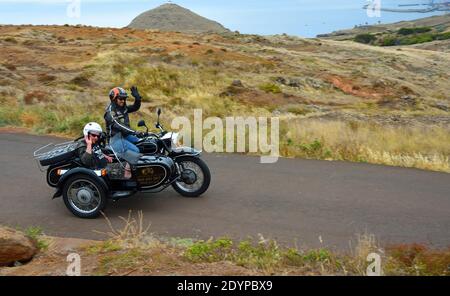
<point>90,152</point>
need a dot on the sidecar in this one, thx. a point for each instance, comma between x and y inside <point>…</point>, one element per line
<point>85,191</point>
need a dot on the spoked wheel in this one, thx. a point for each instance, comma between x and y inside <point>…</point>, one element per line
<point>84,196</point>
<point>195,177</point>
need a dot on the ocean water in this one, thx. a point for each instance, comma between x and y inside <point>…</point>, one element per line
<point>296,17</point>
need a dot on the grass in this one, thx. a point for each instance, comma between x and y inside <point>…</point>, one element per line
<point>270,88</point>
<point>262,256</point>
<point>416,30</point>
<point>11,40</point>
<point>404,36</point>
<point>418,259</point>
<point>61,103</point>
<point>365,38</point>
<point>425,148</point>
<point>36,234</point>
<point>130,249</point>
<point>125,260</point>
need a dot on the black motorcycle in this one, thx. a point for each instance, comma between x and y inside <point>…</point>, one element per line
<point>162,163</point>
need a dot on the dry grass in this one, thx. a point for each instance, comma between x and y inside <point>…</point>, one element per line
<point>133,234</point>
<point>174,71</point>
<point>130,251</point>
<point>419,147</point>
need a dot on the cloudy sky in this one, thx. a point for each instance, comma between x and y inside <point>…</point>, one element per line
<point>297,17</point>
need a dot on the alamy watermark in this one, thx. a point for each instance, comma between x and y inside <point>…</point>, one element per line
<point>231,134</point>
<point>373,9</point>
<point>374,268</point>
<point>73,9</point>
<point>74,266</point>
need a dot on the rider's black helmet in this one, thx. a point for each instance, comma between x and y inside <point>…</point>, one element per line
<point>117,92</point>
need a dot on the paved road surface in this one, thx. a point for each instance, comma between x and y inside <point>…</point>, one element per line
<point>293,201</point>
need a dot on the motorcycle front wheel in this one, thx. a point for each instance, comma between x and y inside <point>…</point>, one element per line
<point>195,177</point>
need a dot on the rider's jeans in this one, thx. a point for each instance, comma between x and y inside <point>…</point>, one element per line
<point>123,144</point>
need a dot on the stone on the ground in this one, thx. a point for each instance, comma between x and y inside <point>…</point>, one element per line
<point>15,246</point>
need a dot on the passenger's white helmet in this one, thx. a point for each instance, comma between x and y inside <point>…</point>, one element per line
<point>92,127</point>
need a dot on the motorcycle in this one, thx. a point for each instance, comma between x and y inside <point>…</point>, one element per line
<point>162,163</point>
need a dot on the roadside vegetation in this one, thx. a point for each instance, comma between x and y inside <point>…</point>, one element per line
<point>335,102</point>
<point>36,234</point>
<point>132,250</point>
<point>420,147</point>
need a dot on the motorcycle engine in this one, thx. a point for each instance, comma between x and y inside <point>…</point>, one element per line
<point>153,171</point>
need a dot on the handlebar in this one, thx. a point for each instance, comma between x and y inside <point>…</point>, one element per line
<point>147,134</point>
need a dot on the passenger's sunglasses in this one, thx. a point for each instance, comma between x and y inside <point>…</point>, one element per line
<point>94,135</point>
<point>121,99</point>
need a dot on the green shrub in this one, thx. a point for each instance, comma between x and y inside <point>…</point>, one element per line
<point>315,149</point>
<point>74,125</point>
<point>35,233</point>
<point>263,255</point>
<point>270,88</point>
<point>122,261</point>
<point>209,251</point>
<point>292,257</point>
<point>104,247</point>
<point>390,41</point>
<point>298,110</point>
<point>320,255</point>
<point>417,39</point>
<point>442,36</point>
<point>160,78</point>
<point>83,78</point>
<point>9,116</point>
<point>11,40</point>
<point>409,31</point>
<point>366,38</point>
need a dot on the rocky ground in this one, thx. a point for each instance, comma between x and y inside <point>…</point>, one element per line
<point>45,65</point>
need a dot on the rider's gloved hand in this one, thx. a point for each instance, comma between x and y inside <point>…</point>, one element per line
<point>135,93</point>
<point>141,134</point>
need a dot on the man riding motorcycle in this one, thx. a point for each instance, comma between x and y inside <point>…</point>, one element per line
<point>122,137</point>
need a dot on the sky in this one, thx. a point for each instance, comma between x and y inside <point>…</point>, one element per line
<point>305,18</point>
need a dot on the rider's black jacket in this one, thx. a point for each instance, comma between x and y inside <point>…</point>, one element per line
<point>117,119</point>
<point>94,160</point>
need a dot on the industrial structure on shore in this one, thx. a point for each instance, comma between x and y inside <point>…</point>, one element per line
<point>432,5</point>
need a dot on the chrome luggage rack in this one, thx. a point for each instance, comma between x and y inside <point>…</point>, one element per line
<point>38,154</point>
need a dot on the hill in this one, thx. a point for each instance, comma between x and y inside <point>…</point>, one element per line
<point>335,99</point>
<point>172,17</point>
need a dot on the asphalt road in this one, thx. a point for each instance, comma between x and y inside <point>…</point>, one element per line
<point>304,202</point>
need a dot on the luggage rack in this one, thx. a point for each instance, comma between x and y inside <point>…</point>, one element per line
<point>54,153</point>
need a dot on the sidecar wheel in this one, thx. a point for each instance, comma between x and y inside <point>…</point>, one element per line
<point>84,196</point>
<point>196,179</point>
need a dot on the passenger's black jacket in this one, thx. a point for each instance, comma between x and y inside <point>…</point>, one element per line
<point>117,119</point>
<point>95,160</point>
